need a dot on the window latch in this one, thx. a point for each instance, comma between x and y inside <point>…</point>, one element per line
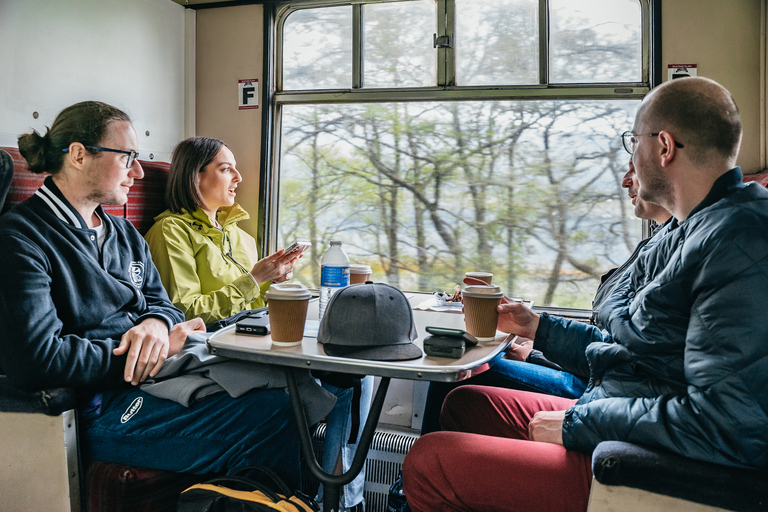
<point>442,41</point>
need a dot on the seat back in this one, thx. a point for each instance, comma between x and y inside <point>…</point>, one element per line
<point>146,198</point>
<point>635,478</point>
<point>6,175</point>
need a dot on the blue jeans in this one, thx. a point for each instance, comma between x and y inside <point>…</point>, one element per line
<point>504,373</point>
<point>338,429</point>
<point>216,435</point>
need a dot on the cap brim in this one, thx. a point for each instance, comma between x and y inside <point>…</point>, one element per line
<point>401,352</point>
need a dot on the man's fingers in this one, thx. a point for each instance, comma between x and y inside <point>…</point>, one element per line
<point>122,347</point>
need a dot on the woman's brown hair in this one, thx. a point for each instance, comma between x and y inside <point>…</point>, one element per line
<point>190,158</point>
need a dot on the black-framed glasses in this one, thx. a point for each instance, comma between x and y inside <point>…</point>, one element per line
<point>132,155</point>
<point>630,140</point>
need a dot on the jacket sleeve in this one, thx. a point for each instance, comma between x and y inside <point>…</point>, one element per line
<point>173,254</point>
<point>722,415</point>
<point>564,342</point>
<point>34,353</point>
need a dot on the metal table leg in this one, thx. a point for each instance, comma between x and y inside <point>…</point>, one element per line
<point>332,483</point>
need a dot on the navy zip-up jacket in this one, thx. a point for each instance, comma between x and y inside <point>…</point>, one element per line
<point>683,363</point>
<point>64,305</point>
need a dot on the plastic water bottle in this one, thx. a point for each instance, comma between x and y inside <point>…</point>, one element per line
<point>334,273</point>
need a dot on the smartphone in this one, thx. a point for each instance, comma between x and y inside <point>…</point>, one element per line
<point>452,333</point>
<point>257,326</point>
<point>299,245</point>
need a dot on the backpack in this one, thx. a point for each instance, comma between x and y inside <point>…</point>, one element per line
<point>235,493</point>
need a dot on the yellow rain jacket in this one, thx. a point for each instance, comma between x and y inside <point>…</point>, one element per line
<point>204,269</point>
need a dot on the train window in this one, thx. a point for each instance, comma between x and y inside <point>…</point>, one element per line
<point>497,42</point>
<point>471,151</point>
<point>318,36</point>
<point>595,41</point>
<point>398,54</point>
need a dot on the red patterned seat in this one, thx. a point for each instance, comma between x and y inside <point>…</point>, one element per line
<point>145,200</point>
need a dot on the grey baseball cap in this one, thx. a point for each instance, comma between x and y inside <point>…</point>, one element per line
<point>369,321</point>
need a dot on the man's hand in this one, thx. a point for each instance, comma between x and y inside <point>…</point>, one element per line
<point>515,318</point>
<point>179,333</point>
<point>147,347</point>
<point>547,427</point>
<point>519,350</point>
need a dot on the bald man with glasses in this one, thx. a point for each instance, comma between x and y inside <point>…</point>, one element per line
<point>682,364</point>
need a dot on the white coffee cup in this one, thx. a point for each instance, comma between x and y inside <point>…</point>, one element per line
<point>480,313</point>
<point>288,303</point>
<point>359,274</point>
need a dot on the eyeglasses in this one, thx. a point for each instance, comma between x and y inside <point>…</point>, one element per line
<point>132,155</point>
<point>630,140</point>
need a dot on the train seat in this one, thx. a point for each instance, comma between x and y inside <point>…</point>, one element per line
<point>40,467</point>
<point>631,478</point>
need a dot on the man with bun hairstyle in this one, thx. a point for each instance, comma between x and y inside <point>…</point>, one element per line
<point>83,307</point>
<point>682,364</point>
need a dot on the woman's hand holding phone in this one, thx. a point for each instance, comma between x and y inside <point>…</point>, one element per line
<point>276,267</point>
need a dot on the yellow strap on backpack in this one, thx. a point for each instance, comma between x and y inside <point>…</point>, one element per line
<point>291,504</point>
<point>240,494</point>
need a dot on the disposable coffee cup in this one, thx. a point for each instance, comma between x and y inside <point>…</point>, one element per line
<point>486,277</point>
<point>359,274</point>
<point>288,304</point>
<point>480,313</point>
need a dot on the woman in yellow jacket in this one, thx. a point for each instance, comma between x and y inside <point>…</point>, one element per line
<point>204,259</point>
<point>208,265</point>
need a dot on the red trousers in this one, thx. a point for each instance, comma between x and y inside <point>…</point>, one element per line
<point>485,462</point>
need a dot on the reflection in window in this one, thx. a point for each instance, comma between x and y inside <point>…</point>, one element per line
<point>595,41</point>
<point>497,42</point>
<point>399,54</point>
<point>319,36</point>
<point>423,192</point>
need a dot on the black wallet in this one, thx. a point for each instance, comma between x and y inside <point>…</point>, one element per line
<point>447,342</point>
<point>444,346</point>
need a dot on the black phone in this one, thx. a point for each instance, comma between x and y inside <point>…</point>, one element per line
<point>256,325</point>
<point>452,333</point>
<point>300,245</point>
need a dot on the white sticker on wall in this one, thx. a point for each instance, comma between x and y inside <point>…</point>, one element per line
<point>248,93</point>
<point>680,70</point>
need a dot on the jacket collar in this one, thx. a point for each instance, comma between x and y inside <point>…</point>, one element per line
<point>724,186</point>
<point>58,204</point>
<point>225,216</point>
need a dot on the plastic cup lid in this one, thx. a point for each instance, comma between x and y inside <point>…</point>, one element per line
<point>483,292</point>
<point>478,274</point>
<point>288,291</point>
<point>359,269</point>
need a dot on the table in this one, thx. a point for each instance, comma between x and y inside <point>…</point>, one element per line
<point>310,355</point>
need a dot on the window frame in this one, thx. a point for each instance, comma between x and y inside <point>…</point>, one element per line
<point>446,90</point>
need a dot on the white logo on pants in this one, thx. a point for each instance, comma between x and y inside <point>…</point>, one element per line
<point>132,409</point>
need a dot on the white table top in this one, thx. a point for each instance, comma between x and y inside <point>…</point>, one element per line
<point>310,353</point>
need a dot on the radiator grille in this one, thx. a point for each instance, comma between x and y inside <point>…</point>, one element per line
<point>385,459</point>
